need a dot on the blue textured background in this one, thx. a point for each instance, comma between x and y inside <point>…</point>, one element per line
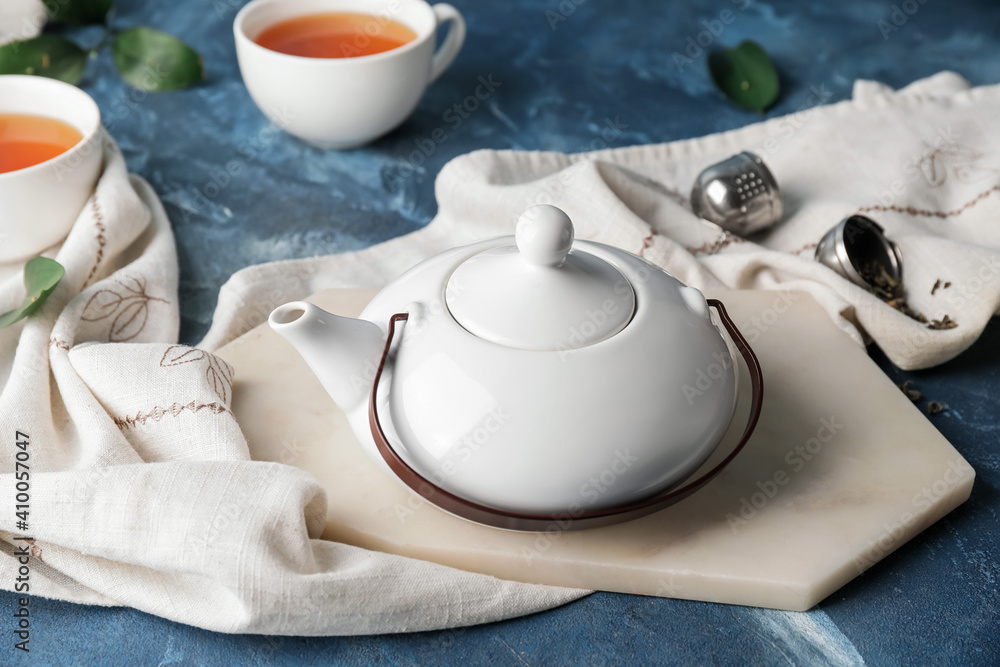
<point>934,601</point>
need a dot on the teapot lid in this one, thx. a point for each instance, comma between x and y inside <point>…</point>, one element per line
<point>541,293</point>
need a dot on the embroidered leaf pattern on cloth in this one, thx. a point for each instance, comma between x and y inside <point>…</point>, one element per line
<point>218,373</point>
<point>960,159</point>
<point>126,308</point>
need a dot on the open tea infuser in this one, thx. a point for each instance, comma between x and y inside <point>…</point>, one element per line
<point>858,249</point>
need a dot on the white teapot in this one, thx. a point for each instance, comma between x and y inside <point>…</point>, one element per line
<point>533,379</point>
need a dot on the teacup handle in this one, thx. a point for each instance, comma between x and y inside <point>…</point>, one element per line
<point>452,44</point>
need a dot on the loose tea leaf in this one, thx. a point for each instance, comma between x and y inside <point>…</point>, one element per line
<point>886,287</point>
<point>745,75</point>
<point>939,284</point>
<point>890,290</point>
<point>78,12</point>
<point>51,56</point>
<point>41,275</point>
<point>881,282</point>
<point>935,407</point>
<point>944,323</point>
<point>903,306</point>
<point>911,394</point>
<point>152,60</point>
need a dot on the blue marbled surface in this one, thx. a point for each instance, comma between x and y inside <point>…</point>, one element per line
<point>935,600</point>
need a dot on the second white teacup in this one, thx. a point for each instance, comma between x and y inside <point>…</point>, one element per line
<point>344,102</point>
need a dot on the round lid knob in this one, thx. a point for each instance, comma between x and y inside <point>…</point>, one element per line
<point>544,235</point>
<point>541,293</point>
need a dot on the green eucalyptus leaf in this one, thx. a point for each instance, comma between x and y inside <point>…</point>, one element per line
<point>78,12</point>
<point>152,60</point>
<point>46,55</point>
<point>41,275</point>
<point>746,75</point>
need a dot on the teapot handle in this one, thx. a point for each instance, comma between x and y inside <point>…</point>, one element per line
<point>499,518</point>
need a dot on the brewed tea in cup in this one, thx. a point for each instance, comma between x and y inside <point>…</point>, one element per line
<point>27,140</point>
<point>335,35</point>
<point>341,73</point>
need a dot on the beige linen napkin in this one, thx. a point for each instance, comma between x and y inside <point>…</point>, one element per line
<point>924,162</point>
<point>21,19</point>
<point>142,492</point>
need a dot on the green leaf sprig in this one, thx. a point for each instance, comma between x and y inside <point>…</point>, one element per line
<point>146,58</point>
<point>41,275</point>
<point>745,75</point>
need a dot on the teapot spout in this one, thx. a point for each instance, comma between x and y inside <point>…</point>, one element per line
<point>342,351</point>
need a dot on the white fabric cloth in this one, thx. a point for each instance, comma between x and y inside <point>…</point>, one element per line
<point>142,491</point>
<point>21,19</point>
<point>924,162</point>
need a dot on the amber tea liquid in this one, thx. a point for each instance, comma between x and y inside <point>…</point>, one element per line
<point>335,35</point>
<point>27,140</point>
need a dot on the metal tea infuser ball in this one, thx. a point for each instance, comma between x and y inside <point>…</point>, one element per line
<point>740,194</point>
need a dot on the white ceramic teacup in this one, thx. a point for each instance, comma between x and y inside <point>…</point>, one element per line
<point>39,204</point>
<point>344,102</point>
